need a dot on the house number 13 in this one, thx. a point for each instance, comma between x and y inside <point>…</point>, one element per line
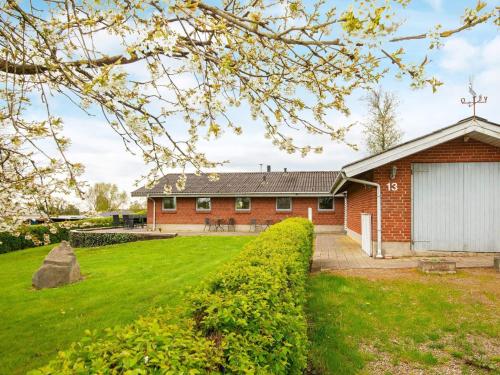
<point>392,186</point>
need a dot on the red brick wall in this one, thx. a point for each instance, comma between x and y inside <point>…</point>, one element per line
<point>396,205</point>
<point>262,208</point>
<point>360,199</point>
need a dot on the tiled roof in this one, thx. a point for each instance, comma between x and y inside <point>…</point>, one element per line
<point>247,183</point>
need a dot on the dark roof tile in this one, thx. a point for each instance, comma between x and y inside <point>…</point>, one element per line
<point>246,183</point>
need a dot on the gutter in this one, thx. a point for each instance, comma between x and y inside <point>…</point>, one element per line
<point>379,208</point>
<point>233,195</point>
<point>154,211</point>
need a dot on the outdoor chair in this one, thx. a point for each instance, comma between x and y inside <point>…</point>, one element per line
<point>231,225</point>
<point>116,220</point>
<point>128,222</point>
<point>208,224</point>
<point>219,225</point>
<point>268,223</point>
<point>254,227</point>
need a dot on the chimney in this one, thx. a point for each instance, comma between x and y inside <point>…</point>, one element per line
<point>284,170</point>
<point>269,168</point>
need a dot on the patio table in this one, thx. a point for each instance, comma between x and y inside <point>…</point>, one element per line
<point>219,224</point>
<point>139,220</point>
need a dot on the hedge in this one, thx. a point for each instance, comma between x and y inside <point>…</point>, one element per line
<point>83,238</point>
<point>10,242</point>
<point>247,318</point>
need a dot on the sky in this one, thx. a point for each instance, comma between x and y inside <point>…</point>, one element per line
<point>473,53</point>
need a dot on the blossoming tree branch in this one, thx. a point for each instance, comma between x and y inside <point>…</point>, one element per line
<point>289,63</point>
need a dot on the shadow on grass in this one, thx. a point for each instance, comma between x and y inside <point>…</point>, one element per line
<point>330,349</point>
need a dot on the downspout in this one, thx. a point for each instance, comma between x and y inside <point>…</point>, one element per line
<point>379,212</point>
<point>154,212</point>
<point>345,211</point>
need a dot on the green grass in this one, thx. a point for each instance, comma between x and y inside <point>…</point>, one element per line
<point>121,283</point>
<point>401,323</point>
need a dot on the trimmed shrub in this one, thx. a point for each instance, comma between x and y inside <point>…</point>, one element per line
<point>247,318</point>
<point>147,346</point>
<point>255,303</point>
<point>10,242</point>
<point>82,238</point>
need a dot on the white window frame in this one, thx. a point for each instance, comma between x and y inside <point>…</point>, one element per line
<point>169,209</point>
<point>204,209</point>
<point>243,209</point>
<point>284,209</point>
<point>327,209</point>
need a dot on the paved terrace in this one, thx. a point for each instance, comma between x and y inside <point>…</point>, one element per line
<point>339,252</point>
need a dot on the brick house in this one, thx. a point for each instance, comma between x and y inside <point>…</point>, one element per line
<point>437,192</point>
<point>262,198</point>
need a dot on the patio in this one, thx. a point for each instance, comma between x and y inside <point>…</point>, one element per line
<point>339,252</point>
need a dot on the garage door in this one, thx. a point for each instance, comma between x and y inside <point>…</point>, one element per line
<point>456,207</point>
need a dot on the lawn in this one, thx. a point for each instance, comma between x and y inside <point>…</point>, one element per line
<point>121,283</point>
<point>404,322</point>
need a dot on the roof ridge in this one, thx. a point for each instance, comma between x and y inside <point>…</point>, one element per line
<point>243,172</point>
<point>477,118</point>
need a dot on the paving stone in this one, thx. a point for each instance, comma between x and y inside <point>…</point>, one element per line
<point>338,251</point>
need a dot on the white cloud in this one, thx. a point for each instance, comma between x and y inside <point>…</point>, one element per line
<point>491,51</point>
<point>459,55</point>
<point>95,145</point>
<point>436,5</point>
<point>490,78</point>
<point>247,151</point>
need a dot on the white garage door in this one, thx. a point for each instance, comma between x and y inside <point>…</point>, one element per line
<point>456,207</point>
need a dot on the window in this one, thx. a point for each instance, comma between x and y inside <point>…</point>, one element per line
<point>203,204</point>
<point>283,204</point>
<point>325,204</point>
<point>242,204</point>
<point>169,203</point>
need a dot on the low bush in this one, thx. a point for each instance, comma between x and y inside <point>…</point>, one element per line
<point>247,318</point>
<point>34,235</point>
<point>255,303</point>
<point>148,346</point>
<point>83,238</point>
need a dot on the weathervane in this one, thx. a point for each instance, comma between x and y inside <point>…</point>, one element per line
<point>475,98</point>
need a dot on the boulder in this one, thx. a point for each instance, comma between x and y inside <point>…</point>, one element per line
<point>59,267</point>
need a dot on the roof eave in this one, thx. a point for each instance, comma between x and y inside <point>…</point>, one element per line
<point>420,144</point>
<point>232,195</point>
<point>338,183</point>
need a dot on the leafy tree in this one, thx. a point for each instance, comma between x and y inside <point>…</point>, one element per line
<point>138,206</point>
<point>103,197</point>
<point>289,64</point>
<point>69,209</point>
<point>58,207</point>
<point>381,129</point>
